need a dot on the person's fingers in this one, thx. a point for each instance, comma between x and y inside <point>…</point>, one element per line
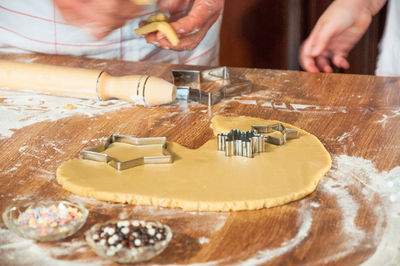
<point>142,23</point>
<point>203,12</point>
<point>151,38</point>
<point>323,64</point>
<point>340,61</point>
<point>308,64</point>
<point>322,37</point>
<point>309,43</point>
<point>306,60</point>
<point>189,42</point>
<point>192,28</point>
<point>185,43</point>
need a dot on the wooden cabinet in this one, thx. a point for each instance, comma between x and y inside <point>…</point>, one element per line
<point>268,34</point>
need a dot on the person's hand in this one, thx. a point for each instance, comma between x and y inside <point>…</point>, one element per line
<point>192,20</point>
<point>337,31</point>
<point>98,17</point>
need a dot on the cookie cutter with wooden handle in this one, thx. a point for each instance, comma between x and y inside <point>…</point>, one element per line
<point>208,86</point>
<point>95,153</point>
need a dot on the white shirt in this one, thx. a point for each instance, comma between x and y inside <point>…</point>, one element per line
<point>36,26</point>
<point>389,49</point>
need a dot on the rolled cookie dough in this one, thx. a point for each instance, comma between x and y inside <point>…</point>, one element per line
<point>204,179</point>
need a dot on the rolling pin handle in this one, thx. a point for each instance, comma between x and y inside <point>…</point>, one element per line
<point>98,85</point>
<point>79,82</point>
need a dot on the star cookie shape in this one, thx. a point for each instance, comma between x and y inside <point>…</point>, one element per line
<point>97,153</point>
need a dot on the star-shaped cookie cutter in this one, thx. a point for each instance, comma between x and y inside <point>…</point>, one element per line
<point>95,152</point>
<point>287,133</point>
<point>247,143</point>
<point>208,86</point>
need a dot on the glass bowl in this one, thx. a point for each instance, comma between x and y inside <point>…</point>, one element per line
<point>45,220</point>
<point>117,240</point>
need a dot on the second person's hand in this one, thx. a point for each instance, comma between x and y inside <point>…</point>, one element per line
<point>337,31</point>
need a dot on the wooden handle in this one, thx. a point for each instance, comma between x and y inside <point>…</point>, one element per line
<point>78,82</point>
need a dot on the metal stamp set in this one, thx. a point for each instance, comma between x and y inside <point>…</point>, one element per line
<point>248,143</point>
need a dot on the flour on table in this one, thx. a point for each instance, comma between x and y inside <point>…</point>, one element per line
<point>15,250</point>
<point>20,109</point>
<point>348,172</point>
<point>385,117</point>
<point>203,240</point>
<point>315,204</point>
<point>305,222</point>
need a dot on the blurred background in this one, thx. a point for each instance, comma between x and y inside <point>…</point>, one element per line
<point>268,34</point>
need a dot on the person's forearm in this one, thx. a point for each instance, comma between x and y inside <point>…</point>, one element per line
<point>373,6</point>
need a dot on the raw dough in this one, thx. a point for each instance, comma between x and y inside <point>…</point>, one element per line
<point>69,107</point>
<point>206,180</point>
<point>124,152</point>
<point>162,26</point>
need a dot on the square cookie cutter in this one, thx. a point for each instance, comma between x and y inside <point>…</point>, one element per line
<point>95,152</point>
<point>208,86</point>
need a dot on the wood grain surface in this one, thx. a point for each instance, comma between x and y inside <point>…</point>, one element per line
<point>352,115</point>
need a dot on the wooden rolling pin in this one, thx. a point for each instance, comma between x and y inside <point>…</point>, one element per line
<point>84,83</point>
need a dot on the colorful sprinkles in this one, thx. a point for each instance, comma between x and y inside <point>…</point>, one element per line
<point>49,220</point>
<point>129,234</point>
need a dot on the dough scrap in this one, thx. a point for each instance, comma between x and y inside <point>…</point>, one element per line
<point>159,22</point>
<point>69,107</point>
<point>142,2</point>
<point>204,179</point>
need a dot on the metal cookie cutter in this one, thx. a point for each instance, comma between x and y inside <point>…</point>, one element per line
<point>208,86</point>
<point>95,152</point>
<point>247,143</point>
<point>241,143</point>
<point>287,133</point>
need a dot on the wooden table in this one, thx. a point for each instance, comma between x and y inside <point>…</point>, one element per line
<point>344,222</point>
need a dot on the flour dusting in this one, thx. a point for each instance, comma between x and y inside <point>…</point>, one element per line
<point>203,240</point>
<point>21,251</point>
<point>385,118</point>
<point>305,220</point>
<point>20,109</point>
<point>346,174</point>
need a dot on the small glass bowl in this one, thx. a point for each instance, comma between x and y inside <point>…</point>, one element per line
<point>49,233</point>
<point>124,254</point>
